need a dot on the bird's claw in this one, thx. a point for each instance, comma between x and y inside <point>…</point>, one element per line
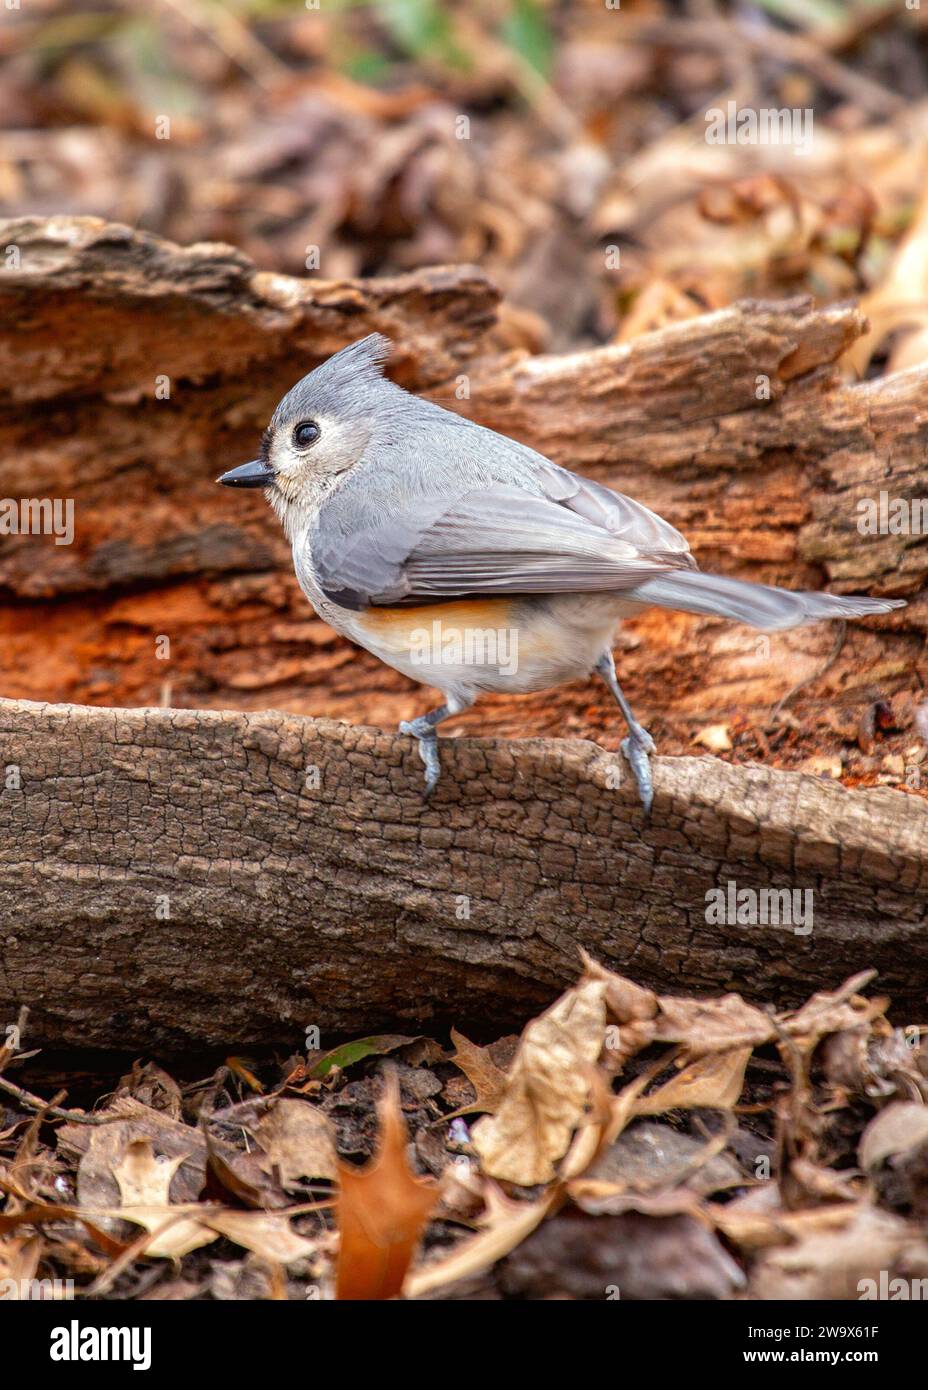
<point>428,750</point>
<point>636,747</point>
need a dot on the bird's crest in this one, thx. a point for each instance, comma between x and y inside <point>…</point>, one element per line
<point>342,383</point>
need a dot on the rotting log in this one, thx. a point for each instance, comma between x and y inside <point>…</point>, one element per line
<point>735,425</point>
<point>170,877</point>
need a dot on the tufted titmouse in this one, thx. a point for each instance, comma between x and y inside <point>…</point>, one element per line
<point>467,560</point>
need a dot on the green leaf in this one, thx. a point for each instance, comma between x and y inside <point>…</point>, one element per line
<point>808,14</point>
<point>526,30</point>
<point>350,1052</point>
<point>365,65</point>
<point>421,27</point>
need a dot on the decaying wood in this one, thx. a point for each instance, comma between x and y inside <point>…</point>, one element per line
<point>172,876</point>
<point>99,322</point>
<point>182,874</point>
<point>95,316</point>
<point>737,402</point>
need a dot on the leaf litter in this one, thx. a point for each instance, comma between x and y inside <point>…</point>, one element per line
<point>627,1144</point>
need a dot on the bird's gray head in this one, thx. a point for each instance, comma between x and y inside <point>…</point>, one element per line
<point>322,427</point>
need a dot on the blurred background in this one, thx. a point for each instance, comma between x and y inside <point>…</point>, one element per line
<point>537,138</point>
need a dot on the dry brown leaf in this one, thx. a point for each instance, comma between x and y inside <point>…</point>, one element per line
<point>487,1079</point>
<point>144,1182</point>
<point>714,1081</point>
<point>833,1011</point>
<point>153,1087</point>
<point>266,1234</point>
<point>757,1221</point>
<point>19,1263</point>
<point>506,1222</point>
<point>844,1263</point>
<point>634,1010</point>
<point>382,1210</point>
<point>176,1229</point>
<point>548,1087</point>
<point>593,1136</point>
<point>609,1117</point>
<point>712,1025</point>
<point>877,1061</point>
<point>298,1140</point>
<point>142,1178</point>
<point>103,1146</point>
<point>896,1130</point>
<point>899,305</point>
<point>824,1184</point>
<point>239,1182</point>
<point>626,1002</point>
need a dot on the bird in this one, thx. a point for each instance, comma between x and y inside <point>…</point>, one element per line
<point>470,562</point>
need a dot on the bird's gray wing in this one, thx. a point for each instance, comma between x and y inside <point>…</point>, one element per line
<point>565,534</point>
<point>621,516</point>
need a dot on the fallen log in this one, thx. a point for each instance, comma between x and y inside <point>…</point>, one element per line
<point>170,877</point>
<point>178,875</point>
<point>735,425</point>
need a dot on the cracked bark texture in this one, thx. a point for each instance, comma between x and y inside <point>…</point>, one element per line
<point>342,900</point>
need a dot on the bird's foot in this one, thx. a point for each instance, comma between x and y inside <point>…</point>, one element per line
<point>422,730</point>
<point>636,748</point>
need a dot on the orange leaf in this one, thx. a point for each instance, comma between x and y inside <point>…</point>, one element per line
<point>382,1210</point>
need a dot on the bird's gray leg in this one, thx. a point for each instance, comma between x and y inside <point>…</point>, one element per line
<point>639,742</point>
<point>424,729</point>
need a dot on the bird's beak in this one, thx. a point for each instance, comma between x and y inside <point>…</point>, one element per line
<point>254,474</point>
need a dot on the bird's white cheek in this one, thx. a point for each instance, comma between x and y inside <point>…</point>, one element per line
<point>291,475</point>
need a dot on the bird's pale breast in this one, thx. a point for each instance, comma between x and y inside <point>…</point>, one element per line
<point>513,644</point>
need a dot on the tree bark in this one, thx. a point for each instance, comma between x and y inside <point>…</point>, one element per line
<point>170,877</point>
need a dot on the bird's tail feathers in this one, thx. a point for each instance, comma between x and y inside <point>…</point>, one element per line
<point>758,605</point>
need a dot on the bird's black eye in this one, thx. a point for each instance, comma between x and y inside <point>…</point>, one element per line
<point>306,433</point>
